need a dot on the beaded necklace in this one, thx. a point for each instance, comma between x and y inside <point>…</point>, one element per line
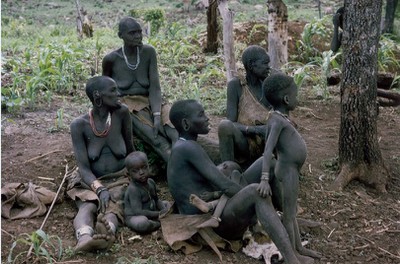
<point>131,66</point>
<point>104,133</point>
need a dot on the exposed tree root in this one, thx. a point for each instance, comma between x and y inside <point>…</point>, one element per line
<point>374,175</point>
<point>388,98</point>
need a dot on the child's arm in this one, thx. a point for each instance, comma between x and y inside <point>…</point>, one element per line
<point>272,135</point>
<point>136,206</point>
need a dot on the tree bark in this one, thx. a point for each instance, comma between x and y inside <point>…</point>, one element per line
<point>212,27</point>
<point>229,52</point>
<point>359,153</point>
<point>277,33</point>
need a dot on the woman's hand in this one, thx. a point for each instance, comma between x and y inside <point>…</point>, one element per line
<point>104,197</point>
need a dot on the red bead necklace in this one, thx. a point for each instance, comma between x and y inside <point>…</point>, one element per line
<point>104,133</point>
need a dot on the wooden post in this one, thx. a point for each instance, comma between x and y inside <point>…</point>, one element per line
<point>227,27</point>
<point>277,33</point>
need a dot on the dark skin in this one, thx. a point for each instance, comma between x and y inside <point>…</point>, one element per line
<point>142,81</point>
<point>232,134</point>
<point>283,139</point>
<point>337,34</point>
<point>98,156</point>
<point>141,204</point>
<point>201,175</point>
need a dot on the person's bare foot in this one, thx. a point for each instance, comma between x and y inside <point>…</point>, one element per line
<point>308,252</point>
<point>304,259</point>
<point>88,243</point>
<point>199,203</point>
<point>212,222</point>
<point>103,228</point>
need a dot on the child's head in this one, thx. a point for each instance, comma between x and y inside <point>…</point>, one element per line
<point>137,165</point>
<point>280,90</point>
<point>227,167</point>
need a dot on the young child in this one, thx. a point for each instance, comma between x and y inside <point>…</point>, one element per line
<point>141,204</point>
<point>283,139</point>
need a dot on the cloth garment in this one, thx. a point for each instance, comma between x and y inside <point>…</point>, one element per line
<point>138,103</point>
<point>116,184</point>
<point>251,113</point>
<point>180,233</point>
<point>25,200</point>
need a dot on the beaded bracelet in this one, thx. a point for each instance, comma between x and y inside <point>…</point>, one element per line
<point>265,176</point>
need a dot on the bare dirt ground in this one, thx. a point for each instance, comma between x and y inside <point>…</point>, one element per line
<point>358,225</point>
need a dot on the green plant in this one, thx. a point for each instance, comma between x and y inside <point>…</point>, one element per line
<point>313,31</point>
<point>44,247</point>
<point>155,16</point>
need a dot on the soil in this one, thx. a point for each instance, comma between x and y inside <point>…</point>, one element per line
<point>357,225</point>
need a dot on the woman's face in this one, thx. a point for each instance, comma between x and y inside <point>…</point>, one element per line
<point>109,94</point>
<point>132,35</point>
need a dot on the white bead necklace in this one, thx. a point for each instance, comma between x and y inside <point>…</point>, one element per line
<point>131,66</point>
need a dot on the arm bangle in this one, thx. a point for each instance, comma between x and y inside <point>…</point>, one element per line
<point>100,189</point>
<point>156,113</point>
<point>265,176</point>
<point>96,184</point>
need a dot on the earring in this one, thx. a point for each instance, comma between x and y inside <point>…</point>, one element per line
<point>98,102</point>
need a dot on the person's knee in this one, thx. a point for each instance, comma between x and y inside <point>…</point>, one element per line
<point>225,128</point>
<point>90,208</point>
<point>140,224</point>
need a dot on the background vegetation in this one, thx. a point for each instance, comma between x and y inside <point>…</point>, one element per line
<point>42,55</point>
<point>42,58</point>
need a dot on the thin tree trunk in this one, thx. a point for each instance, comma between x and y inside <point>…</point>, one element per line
<point>212,27</point>
<point>229,52</point>
<point>391,6</point>
<point>359,153</point>
<point>277,33</point>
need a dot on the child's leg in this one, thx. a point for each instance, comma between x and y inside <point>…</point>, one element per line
<point>299,247</point>
<point>214,221</point>
<point>202,205</point>
<point>290,189</point>
<point>141,224</point>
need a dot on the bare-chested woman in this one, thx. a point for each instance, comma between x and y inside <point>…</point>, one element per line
<point>191,171</point>
<point>101,140</point>
<point>134,69</point>
<point>241,135</point>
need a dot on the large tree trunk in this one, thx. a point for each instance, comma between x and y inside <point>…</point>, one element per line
<point>277,33</point>
<point>391,6</point>
<point>359,153</point>
<point>212,27</point>
<point>229,51</point>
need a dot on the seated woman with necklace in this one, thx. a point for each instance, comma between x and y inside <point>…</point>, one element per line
<point>134,69</point>
<point>101,140</point>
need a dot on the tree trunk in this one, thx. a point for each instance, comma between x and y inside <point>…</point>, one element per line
<point>359,153</point>
<point>212,27</point>
<point>391,6</point>
<point>229,51</point>
<point>277,33</point>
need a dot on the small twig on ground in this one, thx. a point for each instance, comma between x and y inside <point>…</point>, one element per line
<point>370,241</point>
<point>43,155</point>
<point>47,179</point>
<point>5,232</point>
<point>390,254</point>
<point>331,233</point>
<point>362,247</point>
